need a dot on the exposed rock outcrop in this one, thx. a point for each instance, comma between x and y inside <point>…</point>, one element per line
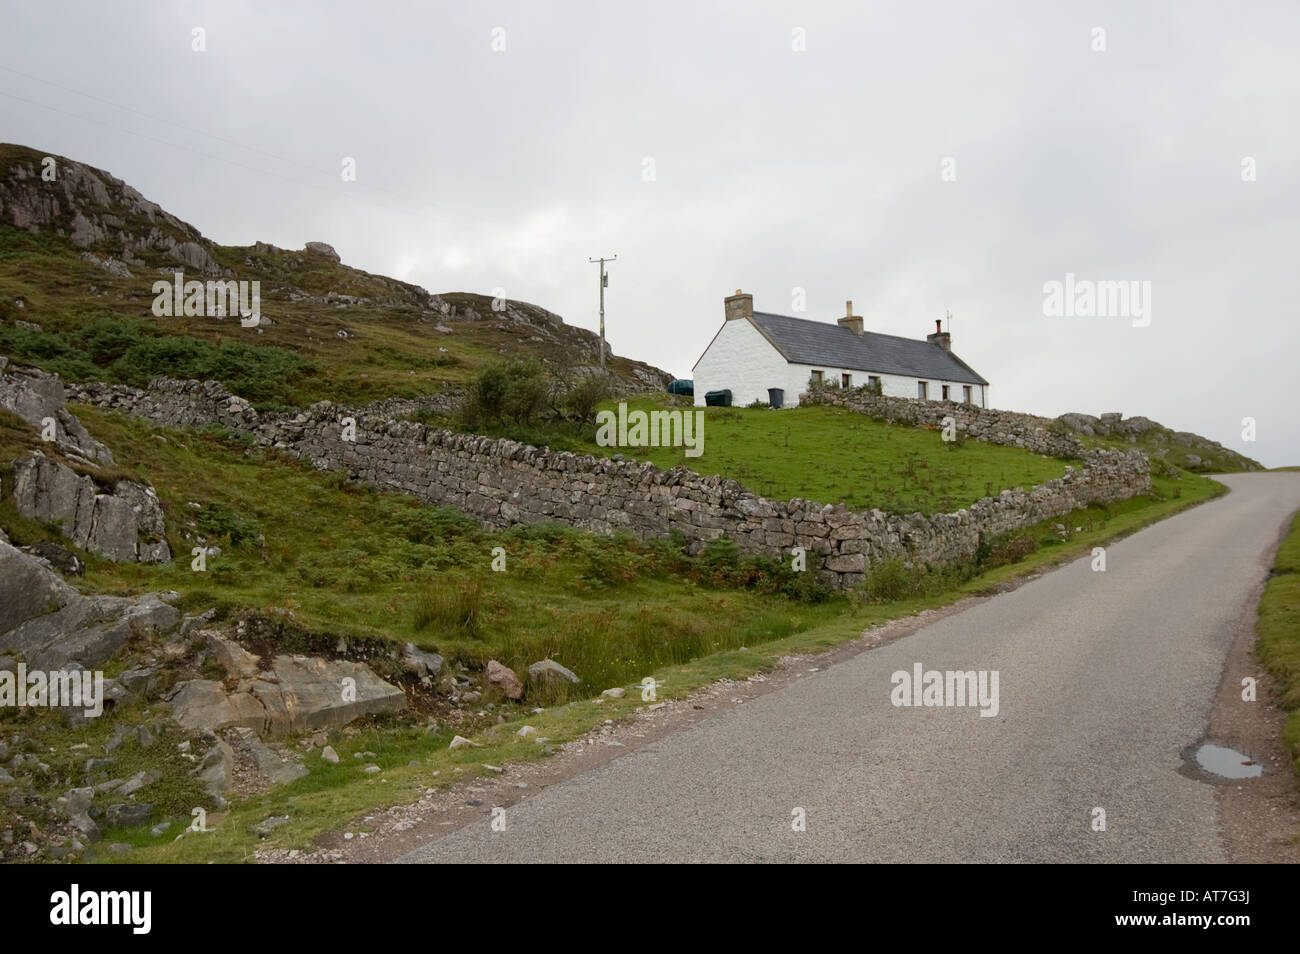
<point>53,626</point>
<point>37,397</point>
<point>125,526</point>
<point>294,694</point>
<point>93,209</point>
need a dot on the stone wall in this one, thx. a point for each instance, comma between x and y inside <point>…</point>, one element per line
<point>1038,434</point>
<point>503,483</point>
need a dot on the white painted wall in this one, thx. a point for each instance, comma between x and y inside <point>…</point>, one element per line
<point>741,359</point>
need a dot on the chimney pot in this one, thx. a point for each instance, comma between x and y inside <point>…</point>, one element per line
<point>940,337</point>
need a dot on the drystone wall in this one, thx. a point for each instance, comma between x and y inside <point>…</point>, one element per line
<point>1038,434</point>
<point>503,483</point>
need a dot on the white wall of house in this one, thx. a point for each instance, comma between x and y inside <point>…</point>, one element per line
<point>741,359</point>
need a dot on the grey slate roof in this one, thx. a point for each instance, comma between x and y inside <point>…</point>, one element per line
<point>801,341</point>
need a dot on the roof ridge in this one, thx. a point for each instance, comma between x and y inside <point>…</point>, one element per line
<point>828,324</point>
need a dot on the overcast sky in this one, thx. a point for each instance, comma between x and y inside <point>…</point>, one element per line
<point>698,142</point>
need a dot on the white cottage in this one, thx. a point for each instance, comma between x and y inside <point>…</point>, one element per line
<point>755,352</point>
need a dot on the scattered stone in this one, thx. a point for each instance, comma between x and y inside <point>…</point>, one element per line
<point>460,742</point>
<point>526,731</point>
<point>136,782</point>
<point>504,678</point>
<point>615,693</point>
<point>420,662</point>
<point>329,755</point>
<point>128,814</point>
<point>268,825</point>
<point>548,671</point>
<point>268,763</point>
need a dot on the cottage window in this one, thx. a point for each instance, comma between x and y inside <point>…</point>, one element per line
<point>923,390</point>
<point>846,380</point>
<point>966,392</point>
<point>818,376</point>
<point>945,392</point>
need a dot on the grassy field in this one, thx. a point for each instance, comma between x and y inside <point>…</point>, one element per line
<point>830,455</point>
<point>1278,628</point>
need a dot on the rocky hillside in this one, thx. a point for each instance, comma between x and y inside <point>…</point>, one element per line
<point>1165,447</point>
<point>79,254</point>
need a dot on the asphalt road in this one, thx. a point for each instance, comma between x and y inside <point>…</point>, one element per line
<point>1104,679</point>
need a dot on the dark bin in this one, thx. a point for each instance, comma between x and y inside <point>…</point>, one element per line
<point>718,398</point>
<point>776,397</point>
<point>684,386</point>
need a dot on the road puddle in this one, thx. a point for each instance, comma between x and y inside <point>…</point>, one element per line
<point>1219,762</point>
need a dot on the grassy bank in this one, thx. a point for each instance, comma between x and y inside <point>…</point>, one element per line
<point>1278,628</point>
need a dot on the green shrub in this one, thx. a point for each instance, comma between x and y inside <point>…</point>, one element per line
<point>582,400</point>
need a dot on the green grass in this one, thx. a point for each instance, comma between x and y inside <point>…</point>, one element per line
<point>832,455</point>
<point>1278,629</point>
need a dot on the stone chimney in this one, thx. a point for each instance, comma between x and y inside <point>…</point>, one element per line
<point>739,305</point>
<point>940,337</point>
<point>851,321</point>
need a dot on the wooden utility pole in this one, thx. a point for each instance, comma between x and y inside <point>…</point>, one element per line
<point>604,282</point>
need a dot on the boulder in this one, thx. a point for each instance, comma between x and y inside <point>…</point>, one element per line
<point>504,678</point>
<point>549,671</point>
<point>420,662</point>
<point>324,250</point>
